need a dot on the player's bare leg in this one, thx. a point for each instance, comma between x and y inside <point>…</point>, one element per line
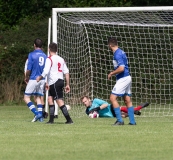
<point>116,108</point>
<point>130,109</point>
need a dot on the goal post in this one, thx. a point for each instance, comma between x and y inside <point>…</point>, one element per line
<point>46,92</point>
<point>144,33</point>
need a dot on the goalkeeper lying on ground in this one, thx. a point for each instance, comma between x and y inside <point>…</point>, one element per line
<point>105,109</point>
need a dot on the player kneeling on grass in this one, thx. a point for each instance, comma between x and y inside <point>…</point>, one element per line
<point>55,69</point>
<point>105,109</point>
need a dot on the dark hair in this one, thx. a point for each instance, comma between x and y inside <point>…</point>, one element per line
<point>112,41</point>
<point>38,42</point>
<point>84,97</point>
<point>53,47</point>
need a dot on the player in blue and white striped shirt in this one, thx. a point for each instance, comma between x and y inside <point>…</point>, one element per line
<point>122,87</point>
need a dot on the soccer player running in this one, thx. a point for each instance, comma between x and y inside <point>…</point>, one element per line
<point>122,87</point>
<point>35,66</point>
<point>105,109</point>
<point>55,69</point>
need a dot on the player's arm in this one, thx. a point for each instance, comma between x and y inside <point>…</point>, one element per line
<point>67,87</point>
<point>120,67</point>
<point>87,111</point>
<point>45,70</point>
<point>27,74</point>
<point>117,71</point>
<point>28,68</point>
<point>25,68</point>
<point>102,104</point>
<point>67,77</point>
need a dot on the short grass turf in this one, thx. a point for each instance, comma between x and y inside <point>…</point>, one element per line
<point>20,139</point>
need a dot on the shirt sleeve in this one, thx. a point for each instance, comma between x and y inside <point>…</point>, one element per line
<point>46,67</point>
<point>29,66</point>
<point>65,69</point>
<point>97,103</point>
<point>118,57</point>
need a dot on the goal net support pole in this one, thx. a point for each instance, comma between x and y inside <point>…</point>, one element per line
<point>46,99</point>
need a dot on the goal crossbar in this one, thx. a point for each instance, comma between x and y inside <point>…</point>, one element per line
<point>112,9</point>
<point>102,9</point>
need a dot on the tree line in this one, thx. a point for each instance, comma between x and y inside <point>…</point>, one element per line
<point>22,21</point>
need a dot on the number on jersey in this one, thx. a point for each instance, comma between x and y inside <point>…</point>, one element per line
<point>41,61</point>
<point>59,67</point>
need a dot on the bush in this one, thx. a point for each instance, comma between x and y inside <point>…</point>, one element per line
<point>15,44</point>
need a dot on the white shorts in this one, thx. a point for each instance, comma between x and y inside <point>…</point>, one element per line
<point>123,87</point>
<point>35,88</point>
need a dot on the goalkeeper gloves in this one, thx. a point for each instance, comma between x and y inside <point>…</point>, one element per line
<point>95,109</point>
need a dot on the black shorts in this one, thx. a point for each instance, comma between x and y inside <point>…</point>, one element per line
<point>56,89</point>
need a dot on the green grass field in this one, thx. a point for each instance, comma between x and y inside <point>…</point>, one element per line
<point>150,139</point>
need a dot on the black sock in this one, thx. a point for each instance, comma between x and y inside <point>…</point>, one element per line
<point>43,111</point>
<point>51,118</point>
<point>43,108</point>
<point>65,112</point>
<point>51,112</point>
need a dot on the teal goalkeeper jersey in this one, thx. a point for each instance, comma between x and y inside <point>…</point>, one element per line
<point>106,112</point>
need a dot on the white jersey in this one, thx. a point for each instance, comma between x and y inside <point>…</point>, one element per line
<point>55,68</point>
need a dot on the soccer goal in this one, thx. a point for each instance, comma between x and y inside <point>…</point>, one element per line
<point>144,33</point>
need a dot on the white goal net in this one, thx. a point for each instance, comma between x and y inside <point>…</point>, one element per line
<point>145,34</point>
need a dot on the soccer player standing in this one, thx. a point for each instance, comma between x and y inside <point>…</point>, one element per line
<point>35,66</point>
<point>45,114</point>
<point>122,87</point>
<point>55,69</point>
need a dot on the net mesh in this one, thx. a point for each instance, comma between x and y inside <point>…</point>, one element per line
<point>147,39</point>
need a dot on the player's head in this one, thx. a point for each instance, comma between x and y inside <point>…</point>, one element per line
<point>53,47</point>
<point>113,43</point>
<point>86,101</point>
<point>38,43</point>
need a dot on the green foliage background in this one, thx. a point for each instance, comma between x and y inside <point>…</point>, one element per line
<point>22,21</point>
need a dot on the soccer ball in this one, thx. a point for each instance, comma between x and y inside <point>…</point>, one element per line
<point>94,114</point>
<point>68,107</point>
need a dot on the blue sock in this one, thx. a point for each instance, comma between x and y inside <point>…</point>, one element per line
<point>118,114</point>
<point>31,106</point>
<point>131,115</point>
<point>40,108</point>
